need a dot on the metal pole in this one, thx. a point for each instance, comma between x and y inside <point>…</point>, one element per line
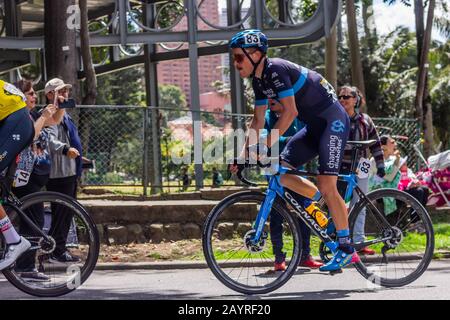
<point>145,154</point>
<point>236,83</point>
<point>13,27</point>
<point>259,14</point>
<point>195,92</point>
<point>123,30</point>
<point>151,86</point>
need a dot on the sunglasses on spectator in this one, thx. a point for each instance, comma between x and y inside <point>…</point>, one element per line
<point>31,93</point>
<point>345,97</point>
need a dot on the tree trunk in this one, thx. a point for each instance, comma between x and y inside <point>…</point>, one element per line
<point>420,27</point>
<point>90,87</point>
<point>369,25</point>
<point>425,118</point>
<point>60,42</point>
<point>331,58</point>
<point>355,56</point>
<point>88,67</point>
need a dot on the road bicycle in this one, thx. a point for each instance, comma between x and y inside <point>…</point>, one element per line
<point>238,247</point>
<point>29,216</point>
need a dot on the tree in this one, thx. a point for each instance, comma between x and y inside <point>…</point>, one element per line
<point>172,97</point>
<point>331,58</point>
<point>353,43</point>
<point>90,94</point>
<point>423,100</point>
<point>423,105</point>
<point>60,41</point>
<point>88,67</point>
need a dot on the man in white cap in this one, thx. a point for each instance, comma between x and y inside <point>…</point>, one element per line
<point>65,154</point>
<point>56,88</point>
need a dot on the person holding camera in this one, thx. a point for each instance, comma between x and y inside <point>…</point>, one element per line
<point>66,168</point>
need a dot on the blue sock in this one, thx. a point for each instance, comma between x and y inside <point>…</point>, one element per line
<point>344,241</point>
<point>306,201</point>
<point>317,196</point>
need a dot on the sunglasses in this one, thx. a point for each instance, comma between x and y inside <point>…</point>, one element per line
<point>345,97</point>
<point>31,93</point>
<point>239,58</point>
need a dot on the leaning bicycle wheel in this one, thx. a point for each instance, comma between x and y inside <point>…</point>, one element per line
<point>240,265</point>
<point>41,271</point>
<point>403,252</point>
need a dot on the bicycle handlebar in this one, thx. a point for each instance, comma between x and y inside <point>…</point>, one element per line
<point>241,167</point>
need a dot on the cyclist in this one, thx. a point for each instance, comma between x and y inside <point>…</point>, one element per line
<point>307,95</point>
<point>276,221</point>
<point>16,132</point>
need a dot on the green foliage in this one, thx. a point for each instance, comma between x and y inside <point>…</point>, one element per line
<point>440,92</point>
<point>171,96</point>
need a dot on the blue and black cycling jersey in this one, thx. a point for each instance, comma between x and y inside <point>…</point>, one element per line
<point>282,78</point>
<point>327,123</point>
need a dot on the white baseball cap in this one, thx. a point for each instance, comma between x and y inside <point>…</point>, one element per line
<point>55,84</point>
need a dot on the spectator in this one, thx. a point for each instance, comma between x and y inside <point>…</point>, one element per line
<point>66,158</point>
<point>217,179</point>
<point>361,128</point>
<point>410,184</point>
<point>34,165</point>
<point>392,163</point>
<point>185,178</point>
<point>276,221</point>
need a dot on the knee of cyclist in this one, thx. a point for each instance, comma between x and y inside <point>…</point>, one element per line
<point>328,190</point>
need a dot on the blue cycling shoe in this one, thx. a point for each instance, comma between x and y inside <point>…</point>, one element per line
<point>340,260</point>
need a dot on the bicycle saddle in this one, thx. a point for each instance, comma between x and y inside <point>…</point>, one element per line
<point>361,144</point>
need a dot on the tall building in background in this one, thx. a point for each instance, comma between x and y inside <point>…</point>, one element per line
<point>176,72</point>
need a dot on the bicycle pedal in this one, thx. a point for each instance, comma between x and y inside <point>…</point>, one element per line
<point>332,273</point>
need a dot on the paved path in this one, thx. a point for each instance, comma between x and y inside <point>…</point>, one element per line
<point>201,284</point>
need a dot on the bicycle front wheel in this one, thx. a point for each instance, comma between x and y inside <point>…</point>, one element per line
<point>43,271</point>
<point>403,246</point>
<point>244,266</point>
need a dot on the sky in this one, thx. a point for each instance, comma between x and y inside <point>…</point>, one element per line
<point>387,18</point>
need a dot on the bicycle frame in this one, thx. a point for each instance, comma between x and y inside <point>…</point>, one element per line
<point>10,200</point>
<point>275,188</point>
<point>15,204</point>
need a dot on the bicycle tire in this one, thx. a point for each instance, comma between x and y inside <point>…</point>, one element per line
<point>363,268</point>
<point>94,248</point>
<point>213,264</point>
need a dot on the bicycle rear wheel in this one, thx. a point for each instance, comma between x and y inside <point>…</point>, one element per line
<point>238,264</point>
<point>406,250</point>
<point>38,271</point>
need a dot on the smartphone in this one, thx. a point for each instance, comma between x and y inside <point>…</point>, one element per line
<point>67,104</point>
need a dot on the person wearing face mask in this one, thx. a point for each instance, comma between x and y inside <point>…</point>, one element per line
<point>361,128</point>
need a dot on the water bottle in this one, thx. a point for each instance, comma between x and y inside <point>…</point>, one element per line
<point>317,214</point>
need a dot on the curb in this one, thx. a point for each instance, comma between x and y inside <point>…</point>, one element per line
<point>185,265</point>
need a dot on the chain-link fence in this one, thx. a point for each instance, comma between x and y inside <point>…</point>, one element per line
<point>406,132</point>
<point>119,141</point>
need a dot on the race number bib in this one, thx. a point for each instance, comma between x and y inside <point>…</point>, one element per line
<point>363,168</point>
<point>21,178</point>
<point>252,39</point>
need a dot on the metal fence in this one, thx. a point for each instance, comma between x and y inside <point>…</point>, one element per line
<point>118,140</point>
